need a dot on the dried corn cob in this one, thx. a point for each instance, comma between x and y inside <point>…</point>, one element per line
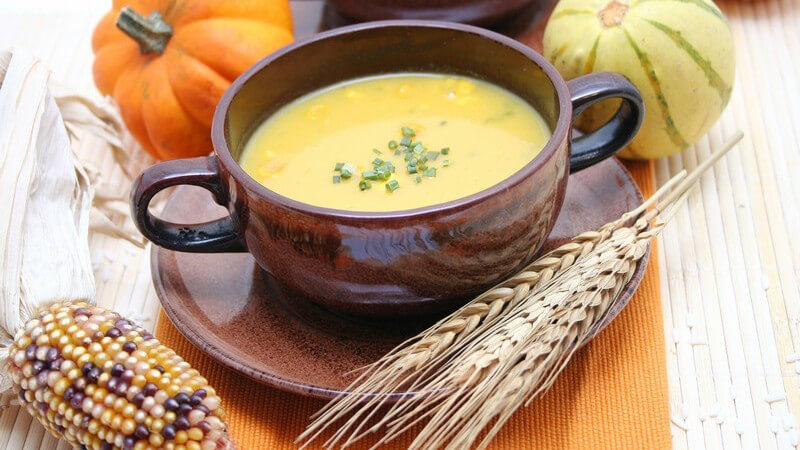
<point>101,382</point>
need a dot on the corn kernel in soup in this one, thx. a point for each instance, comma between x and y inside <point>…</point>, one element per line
<point>394,142</point>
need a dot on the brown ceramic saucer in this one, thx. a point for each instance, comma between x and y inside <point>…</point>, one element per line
<point>228,307</point>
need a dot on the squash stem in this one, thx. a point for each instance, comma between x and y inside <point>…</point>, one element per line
<point>151,33</point>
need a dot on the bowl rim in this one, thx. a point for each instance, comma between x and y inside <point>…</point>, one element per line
<point>559,134</point>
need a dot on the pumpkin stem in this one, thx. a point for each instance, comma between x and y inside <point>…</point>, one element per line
<point>613,13</point>
<point>151,33</point>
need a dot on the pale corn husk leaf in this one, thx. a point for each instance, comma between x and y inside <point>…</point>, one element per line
<point>45,206</point>
<point>46,211</point>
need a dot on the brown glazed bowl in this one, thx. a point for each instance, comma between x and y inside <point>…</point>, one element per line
<point>475,12</point>
<point>400,263</point>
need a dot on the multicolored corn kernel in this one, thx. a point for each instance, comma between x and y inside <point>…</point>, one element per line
<point>100,381</point>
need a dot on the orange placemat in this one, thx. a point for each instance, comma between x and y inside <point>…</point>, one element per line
<point>612,395</point>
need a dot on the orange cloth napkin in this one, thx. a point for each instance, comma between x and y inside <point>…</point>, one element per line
<point>613,395</point>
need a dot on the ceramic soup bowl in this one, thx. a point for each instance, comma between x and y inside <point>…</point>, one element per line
<point>401,263</point>
<point>476,12</point>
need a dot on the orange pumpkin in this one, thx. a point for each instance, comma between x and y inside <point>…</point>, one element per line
<point>168,62</point>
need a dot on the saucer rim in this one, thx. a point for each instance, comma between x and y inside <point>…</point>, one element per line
<point>320,392</point>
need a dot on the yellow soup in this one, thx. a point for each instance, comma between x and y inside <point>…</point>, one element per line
<point>394,142</point>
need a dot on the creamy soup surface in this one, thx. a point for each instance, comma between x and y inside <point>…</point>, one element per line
<point>405,141</point>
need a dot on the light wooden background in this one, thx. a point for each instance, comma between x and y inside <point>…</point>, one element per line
<point>730,262</point>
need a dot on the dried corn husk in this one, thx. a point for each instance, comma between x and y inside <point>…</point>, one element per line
<point>46,211</point>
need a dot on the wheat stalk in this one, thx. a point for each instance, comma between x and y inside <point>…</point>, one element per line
<point>421,355</point>
<point>531,328</point>
<point>508,345</point>
<point>546,346</point>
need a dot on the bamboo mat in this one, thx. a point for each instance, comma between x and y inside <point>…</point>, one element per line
<point>730,262</point>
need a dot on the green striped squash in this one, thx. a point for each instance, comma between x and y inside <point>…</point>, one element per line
<point>679,53</point>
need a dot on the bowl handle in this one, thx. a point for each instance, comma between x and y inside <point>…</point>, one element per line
<point>603,142</point>
<point>221,235</point>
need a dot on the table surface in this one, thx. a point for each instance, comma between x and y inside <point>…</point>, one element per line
<point>729,263</point>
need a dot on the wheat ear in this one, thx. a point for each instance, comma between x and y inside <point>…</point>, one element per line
<point>410,358</point>
<point>468,370</point>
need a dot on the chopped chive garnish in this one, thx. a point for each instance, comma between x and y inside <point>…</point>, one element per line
<point>419,163</point>
<point>442,123</point>
<point>348,170</point>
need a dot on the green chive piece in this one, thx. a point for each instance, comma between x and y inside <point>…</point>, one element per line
<point>411,168</point>
<point>405,141</point>
<point>418,148</point>
<point>408,156</point>
<point>442,123</point>
<point>446,151</point>
<point>383,172</point>
<point>418,179</point>
<point>348,170</point>
<point>408,132</point>
<point>338,167</point>
<point>446,163</point>
<point>392,186</point>
<point>336,179</point>
<point>422,167</point>
<point>364,185</point>
<point>369,175</point>
<point>432,156</point>
<point>376,151</point>
<point>377,162</point>
<point>397,153</point>
<point>392,144</point>
<point>430,172</point>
